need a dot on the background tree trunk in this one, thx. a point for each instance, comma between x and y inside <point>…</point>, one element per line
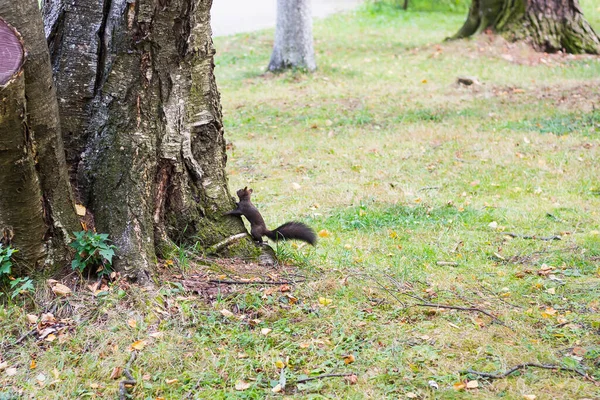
<point>143,131</point>
<point>21,213</point>
<point>551,25</point>
<point>293,46</point>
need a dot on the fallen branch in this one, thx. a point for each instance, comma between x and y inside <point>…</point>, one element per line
<point>447,263</point>
<point>225,242</point>
<point>533,237</point>
<point>522,366</point>
<point>313,378</point>
<point>232,282</point>
<point>130,380</point>
<point>432,305</point>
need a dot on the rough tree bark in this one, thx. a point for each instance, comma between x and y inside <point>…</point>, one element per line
<point>143,127</point>
<point>22,222</point>
<point>293,46</point>
<point>43,127</point>
<point>550,25</point>
<point>141,122</point>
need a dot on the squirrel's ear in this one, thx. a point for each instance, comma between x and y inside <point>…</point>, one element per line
<point>250,190</point>
<point>245,188</point>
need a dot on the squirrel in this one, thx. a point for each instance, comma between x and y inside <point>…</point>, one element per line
<point>258,228</point>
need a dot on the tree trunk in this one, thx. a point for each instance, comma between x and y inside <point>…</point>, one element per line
<point>44,127</point>
<point>142,122</point>
<point>293,46</point>
<point>21,213</point>
<point>550,25</point>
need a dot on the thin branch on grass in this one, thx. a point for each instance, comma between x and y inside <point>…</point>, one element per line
<point>523,366</point>
<point>232,282</point>
<point>447,263</point>
<point>532,237</point>
<point>130,380</point>
<point>475,309</point>
<point>313,378</point>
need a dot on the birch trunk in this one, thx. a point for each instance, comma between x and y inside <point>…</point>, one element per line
<point>550,25</point>
<point>293,46</point>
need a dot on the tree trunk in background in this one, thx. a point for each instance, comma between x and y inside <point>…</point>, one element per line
<point>142,122</point>
<point>293,46</point>
<point>551,25</point>
<point>22,222</point>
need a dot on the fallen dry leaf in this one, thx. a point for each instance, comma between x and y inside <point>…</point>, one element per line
<point>241,385</point>
<point>32,319</point>
<point>11,371</point>
<point>32,364</point>
<point>324,301</point>
<point>349,359</point>
<point>116,373</point>
<point>278,388</point>
<point>459,386</point>
<point>529,396</point>
<point>265,331</point>
<point>171,381</point>
<point>48,318</point>
<point>226,313</point>
<point>351,379</point>
<point>279,364</point>
<point>132,323</point>
<point>138,345</point>
<point>472,385</point>
<point>61,290</point>
<point>324,233</point>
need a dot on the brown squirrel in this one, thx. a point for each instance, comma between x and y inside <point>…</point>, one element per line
<point>258,228</point>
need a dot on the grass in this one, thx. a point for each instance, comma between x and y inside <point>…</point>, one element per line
<point>398,168</point>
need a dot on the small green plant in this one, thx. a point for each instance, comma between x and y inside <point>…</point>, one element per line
<point>93,250</point>
<point>17,285</point>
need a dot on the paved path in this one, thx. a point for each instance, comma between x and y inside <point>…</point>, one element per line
<point>235,16</point>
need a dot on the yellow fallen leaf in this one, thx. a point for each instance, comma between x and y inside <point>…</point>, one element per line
<point>349,359</point>
<point>32,364</point>
<point>50,338</point>
<point>132,323</point>
<point>459,386</point>
<point>171,381</point>
<point>279,364</point>
<point>241,385</point>
<point>324,233</point>
<point>325,301</point>
<point>80,210</point>
<point>548,312</point>
<point>138,345</point>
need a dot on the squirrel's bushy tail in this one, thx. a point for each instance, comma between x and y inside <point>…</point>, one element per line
<point>293,230</point>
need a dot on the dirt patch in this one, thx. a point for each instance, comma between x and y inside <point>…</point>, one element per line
<point>219,277</point>
<point>521,53</point>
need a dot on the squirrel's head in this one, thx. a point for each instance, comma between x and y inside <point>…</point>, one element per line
<point>244,194</point>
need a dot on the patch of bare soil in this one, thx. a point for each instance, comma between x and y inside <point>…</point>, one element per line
<point>225,276</point>
<point>495,46</point>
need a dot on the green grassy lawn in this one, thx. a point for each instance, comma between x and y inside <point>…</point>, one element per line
<point>412,182</point>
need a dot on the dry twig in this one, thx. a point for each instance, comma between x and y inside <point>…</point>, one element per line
<point>522,366</point>
<point>130,380</point>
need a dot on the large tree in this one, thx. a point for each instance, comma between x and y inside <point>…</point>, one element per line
<point>551,25</point>
<point>293,46</point>
<point>141,123</point>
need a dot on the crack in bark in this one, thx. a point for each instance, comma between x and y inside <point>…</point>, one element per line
<point>102,46</point>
